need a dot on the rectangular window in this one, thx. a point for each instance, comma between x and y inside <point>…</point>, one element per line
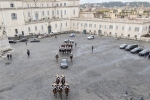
<point>110,27</point>
<point>122,27</point>
<point>95,25</point>
<point>28,14</point>
<point>11,5</point>
<point>66,23</point>
<point>65,12</point>
<point>60,24</point>
<point>61,12</point>
<point>29,29</point>
<point>81,24</point>
<point>136,29</point>
<point>35,28</point>
<point>53,13</point>
<point>64,4</point>
<point>43,13</point>
<point>129,28</point>
<point>47,12</point>
<point>42,27</point>
<point>99,26</point>
<point>55,25</point>
<point>105,26</point>
<point>116,27</point>
<point>57,12</point>
<point>74,12</point>
<point>13,16</point>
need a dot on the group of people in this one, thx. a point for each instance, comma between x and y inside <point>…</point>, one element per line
<point>59,85</point>
<point>9,56</point>
<point>66,48</point>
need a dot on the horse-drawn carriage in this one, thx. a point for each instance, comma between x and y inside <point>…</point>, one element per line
<point>60,85</point>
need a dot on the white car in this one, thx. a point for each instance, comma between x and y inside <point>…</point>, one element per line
<point>90,37</point>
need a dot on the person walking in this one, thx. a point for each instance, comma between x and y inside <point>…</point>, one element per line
<point>8,56</point>
<point>28,53</point>
<point>26,42</point>
<point>149,56</point>
<point>92,48</point>
<point>75,44</point>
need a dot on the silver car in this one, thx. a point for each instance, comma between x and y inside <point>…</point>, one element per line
<point>64,63</point>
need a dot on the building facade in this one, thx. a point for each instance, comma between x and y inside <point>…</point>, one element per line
<point>22,17</point>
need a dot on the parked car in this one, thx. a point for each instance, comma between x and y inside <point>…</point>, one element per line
<point>12,41</point>
<point>68,40</point>
<point>123,46</point>
<point>136,50</point>
<point>35,40</point>
<point>64,63</point>
<point>144,52</point>
<point>90,37</point>
<point>23,40</point>
<point>72,34</point>
<point>130,47</point>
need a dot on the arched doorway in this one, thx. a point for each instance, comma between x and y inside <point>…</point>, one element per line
<point>36,16</point>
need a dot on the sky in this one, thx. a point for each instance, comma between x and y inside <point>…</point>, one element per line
<point>99,1</point>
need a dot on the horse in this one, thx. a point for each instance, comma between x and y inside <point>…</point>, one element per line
<point>57,79</point>
<point>60,90</point>
<point>67,90</point>
<point>54,89</point>
<point>63,80</point>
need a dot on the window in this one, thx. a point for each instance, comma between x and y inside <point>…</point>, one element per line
<point>60,4</point>
<point>42,5</point>
<point>57,12</point>
<point>34,5</point>
<point>11,5</point>
<point>43,13</point>
<point>53,13</point>
<point>55,25</point>
<point>74,12</point>
<point>47,12</point>
<point>13,16</point>
<point>28,5</point>
<point>95,25</point>
<point>145,28</point>
<point>29,29</point>
<point>60,24</point>
<point>66,23</point>
<point>85,24</point>
<point>65,12</point>
<point>56,4</point>
<point>61,12</point>
<point>47,5</point>
<point>73,24</point>
<point>35,28</point>
<point>99,26</point>
<point>28,14</point>
<point>116,27</point>
<point>105,26</point>
<point>42,27</point>
<point>64,4</point>
<point>110,27</point>
<point>122,27</point>
<point>136,29</point>
<point>16,31</point>
<point>129,28</point>
<point>81,24</point>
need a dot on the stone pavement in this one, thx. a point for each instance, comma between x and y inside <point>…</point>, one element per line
<point>104,74</point>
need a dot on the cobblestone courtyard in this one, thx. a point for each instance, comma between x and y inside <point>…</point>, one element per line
<point>104,74</point>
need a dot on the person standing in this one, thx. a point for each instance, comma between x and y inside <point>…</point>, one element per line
<point>28,53</point>
<point>92,48</point>
<point>75,44</point>
<point>26,42</point>
<point>8,56</point>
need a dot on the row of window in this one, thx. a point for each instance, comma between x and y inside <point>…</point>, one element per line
<point>42,5</point>
<point>61,25</point>
<point>111,27</point>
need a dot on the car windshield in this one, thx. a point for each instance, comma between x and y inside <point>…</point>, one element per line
<point>63,61</point>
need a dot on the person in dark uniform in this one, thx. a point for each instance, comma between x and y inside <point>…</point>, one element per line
<point>8,56</point>
<point>28,53</point>
<point>92,48</point>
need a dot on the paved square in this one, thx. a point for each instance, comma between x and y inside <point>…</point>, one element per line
<point>104,74</point>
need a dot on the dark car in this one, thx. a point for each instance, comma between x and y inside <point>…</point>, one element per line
<point>72,34</point>
<point>12,41</point>
<point>144,53</point>
<point>123,46</point>
<point>23,40</point>
<point>130,47</point>
<point>35,40</point>
<point>136,50</point>
<point>68,40</point>
<point>64,63</point>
